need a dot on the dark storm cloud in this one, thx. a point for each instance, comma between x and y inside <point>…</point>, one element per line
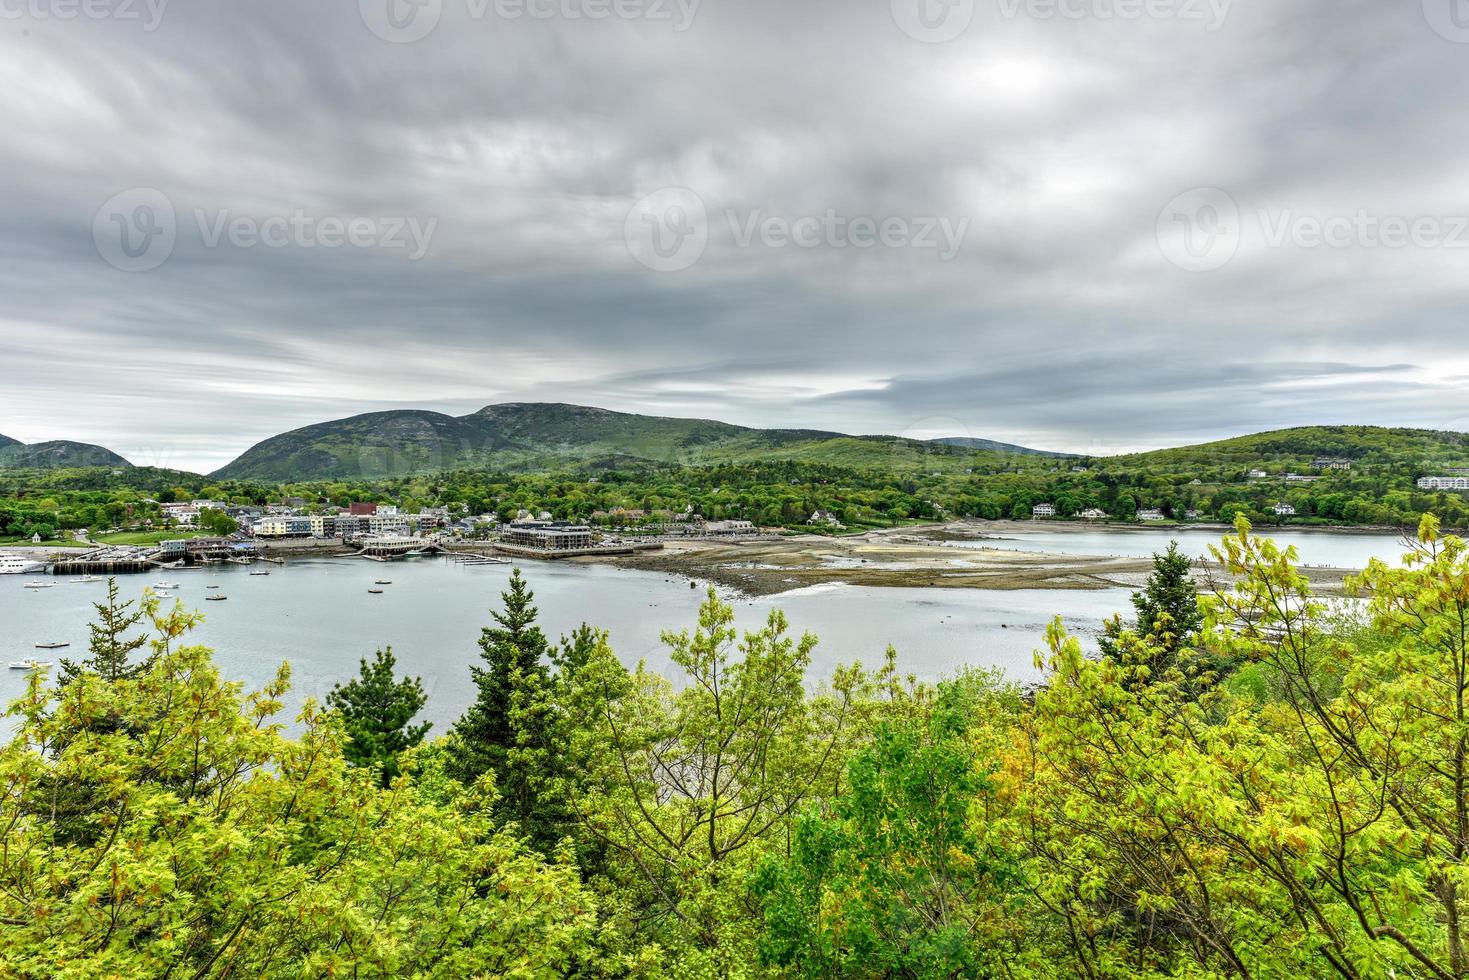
<point>512,150</point>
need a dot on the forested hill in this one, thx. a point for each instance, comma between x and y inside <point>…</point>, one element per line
<point>1300,447</point>
<point>528,436</point>
<point>58,454</point>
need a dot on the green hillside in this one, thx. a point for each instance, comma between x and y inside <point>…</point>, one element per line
<point>526,436</point>
<point>56,455</point>
<point>1297,448</point>
<point>7,441</point>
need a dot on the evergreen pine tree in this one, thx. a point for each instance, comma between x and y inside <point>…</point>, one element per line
<point>377,708</point>
<point>1167,610</point>
<point>110,646</point>
<point>510,683</point>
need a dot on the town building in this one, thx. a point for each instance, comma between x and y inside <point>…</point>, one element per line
<point>1093,514</point>
<point>728,528</point>
<point>1331,463</point>
<point>1043,510</point>
<point>1150,515</point>
<point>1284,510</point>
<point>824,517</point>
<point>548,535</point>
<point>1258,474</point>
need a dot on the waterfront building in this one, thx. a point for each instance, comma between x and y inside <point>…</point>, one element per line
<point>1150,515</point>
<point>1284,510</point>
<point>1043,510</point>
<point>1093,514</point>
<point>729,528</point>
<point>548,535</point>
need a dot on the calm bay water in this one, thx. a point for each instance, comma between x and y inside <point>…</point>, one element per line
<point>319,616</point>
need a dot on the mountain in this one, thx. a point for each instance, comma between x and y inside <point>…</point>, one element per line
<point>523,435</point>
<point>989,445</point>
<point>1296,448</point>
<point>57,455</point>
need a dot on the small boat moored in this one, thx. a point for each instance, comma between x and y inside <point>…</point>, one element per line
<point>375,591</point>
<point>30,664</point>
<point>383,581</point>
<point>51,646</point>
<point>215,598</point>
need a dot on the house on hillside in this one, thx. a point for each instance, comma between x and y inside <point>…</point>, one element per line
<point>1443,483</point>
<point>1258,474</point>
<point>1150,515</point>
<point>1283,509</point>
<point>1043,510</point>
<point>1331,463</point>
<point>824,518</point>
<point>1093,514</point>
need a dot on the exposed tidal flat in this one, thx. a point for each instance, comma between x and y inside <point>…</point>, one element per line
<point>969,595</point>
<point>1002,555</point>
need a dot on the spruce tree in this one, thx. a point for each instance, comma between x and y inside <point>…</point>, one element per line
<point>110,646</point>
<point>510,683</point>
<point>377,708</point>
<point>1167,611</point>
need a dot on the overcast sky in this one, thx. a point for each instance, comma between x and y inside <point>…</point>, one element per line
<point>1086,225</point>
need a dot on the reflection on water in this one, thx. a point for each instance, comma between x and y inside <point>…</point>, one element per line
<point>319,616</point>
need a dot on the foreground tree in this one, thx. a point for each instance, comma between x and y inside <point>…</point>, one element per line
<point>1307,819</point>
<point>696,781</point>
<point>900,879</point>
<point>377,712</point>
<point>222,848</point>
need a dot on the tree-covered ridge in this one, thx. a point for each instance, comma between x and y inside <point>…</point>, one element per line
<point>544,436</point>
<point>1251,782</point>
<point>55,455</point>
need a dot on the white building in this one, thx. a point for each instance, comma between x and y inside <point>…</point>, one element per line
<point>1258,474</point>
<point>1150,515</point>
<point>1093,514</point>
<point>1043,510</point>
<point>1443,483</point>
<point>1284,510</point>
<point>824,517</point>
<point>726,528</point>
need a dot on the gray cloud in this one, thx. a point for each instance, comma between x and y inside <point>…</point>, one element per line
<point>1060,322</point>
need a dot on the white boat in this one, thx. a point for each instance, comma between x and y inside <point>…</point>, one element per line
<point>84,579</point>
<point>215,598</point>
<point>30,664</point>
<point>57,645</point>
<point>40,585</point>
<point>164,585</point>
<point>259,573</point>
<point>19,565</point>
<point>163,595</point>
